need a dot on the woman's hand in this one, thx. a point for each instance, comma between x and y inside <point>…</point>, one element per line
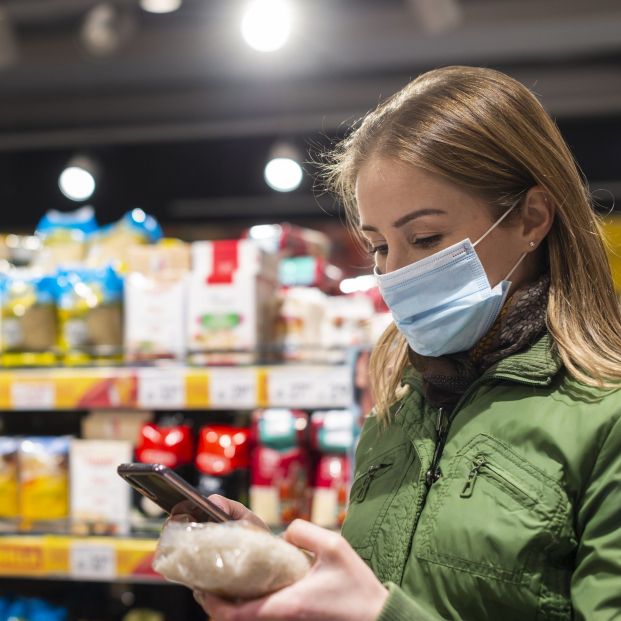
<point>338,587</point>
<point>237,511</point>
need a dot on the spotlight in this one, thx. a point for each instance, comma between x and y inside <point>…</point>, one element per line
<point>106,28</point>
<point>266,24</point>
<point>79,179</point>
<point>283,172</point>
<point>160,6</point>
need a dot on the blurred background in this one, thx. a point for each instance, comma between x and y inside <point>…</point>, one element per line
<point>180,104</point>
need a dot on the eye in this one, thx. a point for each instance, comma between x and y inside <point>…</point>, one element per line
<point>381,249</point>
<point>427,242</point>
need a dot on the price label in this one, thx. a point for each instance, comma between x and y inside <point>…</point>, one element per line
<point>232,388</point>
<point>92,561</point>
<point>33,395</point>
<point>161,388</point>
<point>308,387</point>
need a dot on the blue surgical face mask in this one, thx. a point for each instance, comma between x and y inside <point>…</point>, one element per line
<point>444,303</point>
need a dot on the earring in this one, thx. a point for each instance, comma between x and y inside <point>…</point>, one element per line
<point>531,244</point>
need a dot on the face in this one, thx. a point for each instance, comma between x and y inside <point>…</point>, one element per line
<point>407,214</point>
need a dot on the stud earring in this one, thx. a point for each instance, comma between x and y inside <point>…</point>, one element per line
<point>531,244</point>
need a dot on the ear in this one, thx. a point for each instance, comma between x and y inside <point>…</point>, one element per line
<point>537,216</point>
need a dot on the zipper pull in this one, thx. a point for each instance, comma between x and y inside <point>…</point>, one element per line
<point>368,479</point>
<point>466,492</point>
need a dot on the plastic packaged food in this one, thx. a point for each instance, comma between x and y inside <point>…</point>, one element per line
<point>236,560</point>
<point>9,497</point>
<point>90,315</point>
<point>29,328</point>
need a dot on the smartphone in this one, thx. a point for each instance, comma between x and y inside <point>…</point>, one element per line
<point>166,489</point>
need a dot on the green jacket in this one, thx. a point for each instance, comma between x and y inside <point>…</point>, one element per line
<point>524,522</point>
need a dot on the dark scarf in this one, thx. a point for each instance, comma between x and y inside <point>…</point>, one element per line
<point>521,322</point>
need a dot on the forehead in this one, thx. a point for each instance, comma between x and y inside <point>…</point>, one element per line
<point>388,189</point>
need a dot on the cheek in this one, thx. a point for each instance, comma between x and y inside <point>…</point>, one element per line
<point>498,256</point>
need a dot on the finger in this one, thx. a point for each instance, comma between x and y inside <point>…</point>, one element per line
<point>236,510</point>
<point>183,508</point>
<point>311,537</point>
<point>222,609</point>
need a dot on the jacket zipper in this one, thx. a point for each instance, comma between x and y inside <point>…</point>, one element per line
<point>442,427</point>
<point>482,466</point>
<point>443,424</point>
<point>367,478</point>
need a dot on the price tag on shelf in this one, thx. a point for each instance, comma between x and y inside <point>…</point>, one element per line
<point>33,395</point>
<point>92,561</point>
<point>233,388</point>
<point>161,388</point>
<point>310,387</point>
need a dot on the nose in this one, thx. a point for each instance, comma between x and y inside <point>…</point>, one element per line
<point>395,261</point>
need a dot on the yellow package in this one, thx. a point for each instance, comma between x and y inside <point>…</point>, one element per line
<point>9,505</point>
<point>29,329</point>
<point>44,479</point>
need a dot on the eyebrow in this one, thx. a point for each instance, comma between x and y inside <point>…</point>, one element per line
<point>408,217</point>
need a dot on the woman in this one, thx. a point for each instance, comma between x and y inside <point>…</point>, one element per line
<point>488,477</point>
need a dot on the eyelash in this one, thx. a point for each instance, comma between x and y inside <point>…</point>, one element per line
<point>422,242</point>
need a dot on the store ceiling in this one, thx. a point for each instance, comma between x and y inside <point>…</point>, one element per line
<point>183,87</point>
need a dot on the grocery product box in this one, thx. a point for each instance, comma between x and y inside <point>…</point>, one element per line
<point>9,480</point>
<point>232,301</point>
<point>155,314</point>
<point>114,425</point>
<point>100,499</point>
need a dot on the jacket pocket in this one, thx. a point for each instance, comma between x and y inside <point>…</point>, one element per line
<point>370,497</point>
<point>493,514</point>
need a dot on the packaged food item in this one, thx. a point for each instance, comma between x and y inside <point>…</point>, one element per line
<point>333,436</point>
<point>114,425</point>
<point>279,486</point>
<point>100,499</point>
<point>9,479</point>
<point>109,245</point>
<point>232,301</point>
<point>21,250</point>
<point>346,323</point>
<point>90,314</point>
<point>29,326</point>
<point>298,330</point>
<point>289,240</point>
<point>155,314</point>
<point>63,237</point>
<point>223,461</point>
<point>331,491</point>
<point>309,272</point>
<point>167,258</point>
<point>235,560</point>
<point>169,442</point>
<point>44,482</point>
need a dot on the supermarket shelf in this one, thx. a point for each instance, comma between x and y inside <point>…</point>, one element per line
<point>292,386</point>
<point>99,559</point>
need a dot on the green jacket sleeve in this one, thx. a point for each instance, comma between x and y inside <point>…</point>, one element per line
<point>596,581</point>
<point>401,607</point>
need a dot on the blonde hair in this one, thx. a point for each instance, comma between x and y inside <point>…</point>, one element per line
<point>488,134</point>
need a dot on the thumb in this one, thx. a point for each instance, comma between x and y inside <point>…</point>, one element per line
<point>311,537</point>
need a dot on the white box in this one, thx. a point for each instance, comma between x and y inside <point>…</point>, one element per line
<point>155,314</point>
<point>232,300</point>
<point>100,499</point>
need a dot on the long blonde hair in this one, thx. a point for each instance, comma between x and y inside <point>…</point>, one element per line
<point>488,134</point>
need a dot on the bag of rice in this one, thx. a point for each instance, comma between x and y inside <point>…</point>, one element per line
<point>236,560</point>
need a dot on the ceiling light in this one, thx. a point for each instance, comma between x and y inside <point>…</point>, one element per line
<point>266,24</point>
<point>160,6</point>
<point>79,179</point>
<point>106,28</point>
<point>283,171</point>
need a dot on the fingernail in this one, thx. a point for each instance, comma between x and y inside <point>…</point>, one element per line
<point>198,598</point>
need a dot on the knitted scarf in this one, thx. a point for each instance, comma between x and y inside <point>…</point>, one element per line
<point>521,322</point>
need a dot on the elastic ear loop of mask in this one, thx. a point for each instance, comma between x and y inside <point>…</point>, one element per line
<point>491,228</point>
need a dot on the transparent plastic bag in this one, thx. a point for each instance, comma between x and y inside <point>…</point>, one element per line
<point>236,560</point>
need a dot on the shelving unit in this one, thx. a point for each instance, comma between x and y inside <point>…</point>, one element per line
<point>102,559</point>
<point>160,388</point>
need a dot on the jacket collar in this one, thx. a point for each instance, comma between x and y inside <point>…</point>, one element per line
<point>535,366</point>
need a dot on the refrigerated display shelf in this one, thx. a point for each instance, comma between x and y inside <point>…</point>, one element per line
<point>99,559</point>
<point>162,388</point>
